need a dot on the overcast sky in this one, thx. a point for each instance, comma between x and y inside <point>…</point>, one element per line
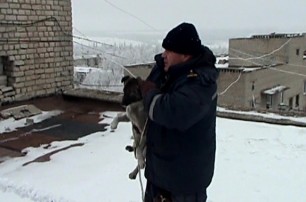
<point>99,16</point>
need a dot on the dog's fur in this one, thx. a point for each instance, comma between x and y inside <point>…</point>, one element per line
<point>132,100</point>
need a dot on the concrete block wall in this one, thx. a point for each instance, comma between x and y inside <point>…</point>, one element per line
<point>247,48</point>
<point>231,88</point>
<point>36,47</point>
<point>267,78</point>
<point>276,49</point>
<point>285,50</point>
<point>251,85</point>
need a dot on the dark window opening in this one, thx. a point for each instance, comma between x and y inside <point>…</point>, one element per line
<point>3,75</point>
<point>96,62</point>
<point>290,103</point>
<point>297,51</point>
<point>1,66</point>
<point>304,55</point>
<point>297,100</point>
<point>269,101</point>
<point>282,97</point>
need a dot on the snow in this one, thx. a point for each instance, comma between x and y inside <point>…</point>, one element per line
<point>11,124</point>
<point>98,78</point>
<point>250,69</point>
<point>266,115</point>
<point>254,162</point>
<point>222,61</point>
<point>275,89</point>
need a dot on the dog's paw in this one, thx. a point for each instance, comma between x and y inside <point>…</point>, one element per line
<point>113,125</point>
<point>132,176</point>
<point>129,148</point>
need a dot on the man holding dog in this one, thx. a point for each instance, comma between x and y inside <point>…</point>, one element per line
<point>180,97</point>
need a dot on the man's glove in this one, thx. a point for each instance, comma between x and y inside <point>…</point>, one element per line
<point>146,86</point>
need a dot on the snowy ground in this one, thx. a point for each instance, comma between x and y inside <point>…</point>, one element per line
<point>255,162</point>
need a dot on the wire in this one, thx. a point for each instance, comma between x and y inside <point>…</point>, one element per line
<point>229,86</point>
<point>269,66</point>
<point>120,65</point>
<point>130,14</point>
<point>275,69</point>
<point>31,40</point>
<point>239,76</point>
<point>98,50</point>
<point>90,40</point>
<point>96,85</point>
<point>84,35</point>
<point>265,55</point>
<point>51,18</point>
<point>288,72</point>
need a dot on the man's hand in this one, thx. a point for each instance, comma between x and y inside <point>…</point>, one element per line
<point>146,86</point>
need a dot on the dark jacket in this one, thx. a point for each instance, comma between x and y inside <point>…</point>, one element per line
<point>181,139</point>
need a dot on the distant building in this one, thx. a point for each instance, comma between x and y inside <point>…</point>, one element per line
<point>36,49</point>
<point>265,72</point>
<point>88,61</point>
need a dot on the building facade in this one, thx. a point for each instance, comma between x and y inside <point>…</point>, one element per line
<point>266,72</point>
<point>88,61</point>
<point>36,48</point>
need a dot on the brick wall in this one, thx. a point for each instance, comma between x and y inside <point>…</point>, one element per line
<point>36,48</point>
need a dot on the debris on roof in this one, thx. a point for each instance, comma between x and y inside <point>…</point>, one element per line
<point>20,112</point>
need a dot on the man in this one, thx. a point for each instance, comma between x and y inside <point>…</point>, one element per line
<point>180,96</point>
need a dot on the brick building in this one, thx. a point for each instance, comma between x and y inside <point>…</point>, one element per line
<point>36,48</point>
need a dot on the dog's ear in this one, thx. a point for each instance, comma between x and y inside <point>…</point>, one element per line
<point>125,78</point>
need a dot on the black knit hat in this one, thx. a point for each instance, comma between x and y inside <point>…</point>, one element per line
<point>183,39</point>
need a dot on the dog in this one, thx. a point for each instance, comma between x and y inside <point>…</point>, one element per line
<point>134,113</point>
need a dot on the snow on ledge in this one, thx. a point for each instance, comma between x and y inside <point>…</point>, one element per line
<point>274,90</point>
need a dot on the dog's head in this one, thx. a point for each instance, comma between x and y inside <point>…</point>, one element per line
<point>131,90</point>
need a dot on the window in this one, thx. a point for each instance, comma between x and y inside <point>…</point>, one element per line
<point>1,66</point>
<point>282,97</point>
<point>290,102</point>
<point>3,77</point>
<point>96,61</point>
<point>269,101</point>
<point>297,52</point>
<point>297,100</point>
<point>304,55</point>
<point>304,87</point>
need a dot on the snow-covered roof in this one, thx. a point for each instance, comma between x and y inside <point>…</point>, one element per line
<point>251,69</point>
<point>85,57</point>
<point>82,69</point>
<point>222,61</point>
<point>275,89</point>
